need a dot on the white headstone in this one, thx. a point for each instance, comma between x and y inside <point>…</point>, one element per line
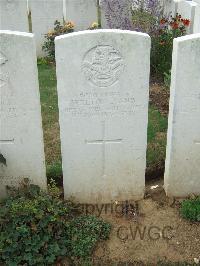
<point>28,6</point>
<point>197,19</point>
<point>44,13</point>
<point>103,106</point>
<point>21,137</point>
<point>13,15</point>
<point>187,10</point>
<point>170,7</point>
<point>81,12</point>
<point>182,174</point>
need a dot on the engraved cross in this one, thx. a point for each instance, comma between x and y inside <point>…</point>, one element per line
<point>104,142</point>
<point>6,141</point>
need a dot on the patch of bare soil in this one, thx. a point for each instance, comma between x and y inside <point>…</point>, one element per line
<point>155,232</point>
<point>52,143</point>
<point>159,97</point>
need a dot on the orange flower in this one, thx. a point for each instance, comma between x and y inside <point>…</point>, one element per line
<point>162,21</point>
<point>174,25</point>
<point>162,43</point>
<point>186,22</point>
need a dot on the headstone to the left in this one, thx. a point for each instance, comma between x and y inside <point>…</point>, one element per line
<point>21,136</point>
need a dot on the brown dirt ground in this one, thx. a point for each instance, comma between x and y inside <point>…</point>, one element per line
<point>179,244</point>
<point>159,97</point>
<point>171,241</point>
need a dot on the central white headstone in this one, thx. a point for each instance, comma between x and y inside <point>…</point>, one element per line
<point>103,80</point>
<point>21,138</point>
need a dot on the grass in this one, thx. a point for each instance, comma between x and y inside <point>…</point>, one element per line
<point>190,209</point>
<point>47,78</point>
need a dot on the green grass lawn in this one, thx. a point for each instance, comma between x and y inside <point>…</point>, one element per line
<point>47,78</point>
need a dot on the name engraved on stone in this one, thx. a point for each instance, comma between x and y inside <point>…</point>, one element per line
<point>101,104</point>
<point>3,76</point>
<point>102,65</point>
<point>3,58</point>
<point>103,142</point>
<point>12,181</point>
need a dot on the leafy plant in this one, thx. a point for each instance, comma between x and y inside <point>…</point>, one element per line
<point>162,43</point>
<point>49,46</point>
<point>167,79</point>
<point>190,209</point>
<point>117,13</point>
<point>146,15</point>
<point>37,228</point>
<point>85,232</point>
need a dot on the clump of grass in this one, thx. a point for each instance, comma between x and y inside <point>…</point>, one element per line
<point>190,209</point>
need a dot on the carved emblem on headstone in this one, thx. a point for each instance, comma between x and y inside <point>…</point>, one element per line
<point>11,4</point>
<point>103,65</point>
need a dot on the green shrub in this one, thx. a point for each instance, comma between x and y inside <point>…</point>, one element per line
<point>59,29</point>
<point>49,46</point>
<point>162,43</point>
<point>190,209</point>
<point>36,228</point>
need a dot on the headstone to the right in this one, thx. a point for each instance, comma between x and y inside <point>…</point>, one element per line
<point>197,19</point>
<point>14,15</point>
<point>187,10</point>
<point>21,137</point>
<point>83,13</point>
<point>103,109</point>
<point>44,13</point>
<point>182,173</point>
<point>170,7</point>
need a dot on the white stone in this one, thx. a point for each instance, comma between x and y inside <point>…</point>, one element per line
<point>28,6</point>
<point>44,13</point>
<point>187,10</point>
<point>13,15</point>
<point>81,12</point>
<point>170,7</point>
<point>103,107</point>
<point>182,173</point>
<point>21,137</point>
<point>197,19</point>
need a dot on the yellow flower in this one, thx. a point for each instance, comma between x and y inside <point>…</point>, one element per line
<point>94,25</point>
<point>69,25</point>
<point>50,33</point>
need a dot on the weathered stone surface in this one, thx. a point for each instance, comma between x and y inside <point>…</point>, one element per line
<point>44,13</point>
<point>196,27</point>
<point>103,105</point>
<point>21,137</point>
<point>81,12</point>
<point>187,11</point>
<point>13,15</point>
<point>182,174</point>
